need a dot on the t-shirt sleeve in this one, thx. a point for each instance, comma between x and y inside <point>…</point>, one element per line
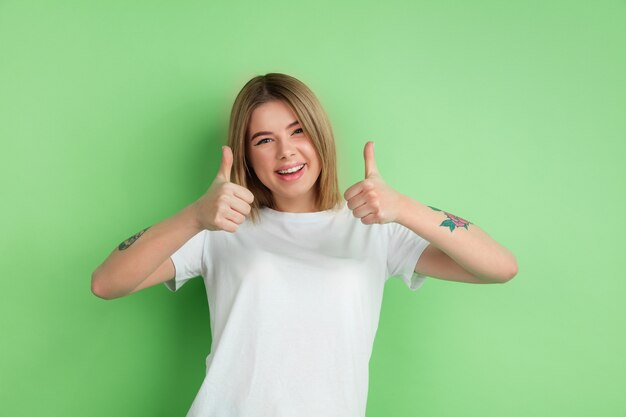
<point>188,261</point>
<point>403,251</point>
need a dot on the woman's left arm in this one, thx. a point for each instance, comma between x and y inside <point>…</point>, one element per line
<point>458,250</point>
<point>464,242</point>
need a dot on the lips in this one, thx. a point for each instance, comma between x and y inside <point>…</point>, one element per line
<point>293,177</point>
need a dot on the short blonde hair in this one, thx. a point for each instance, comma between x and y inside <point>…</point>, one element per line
<point>312,117</point>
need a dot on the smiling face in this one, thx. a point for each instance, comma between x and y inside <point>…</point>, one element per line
<point>276,141</point>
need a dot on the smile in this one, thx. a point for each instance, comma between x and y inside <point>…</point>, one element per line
<point>291,170</point>
<point>291,176</point>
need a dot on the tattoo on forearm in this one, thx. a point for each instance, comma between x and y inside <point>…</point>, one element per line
<point>453,221</point>
<point>126,244</point>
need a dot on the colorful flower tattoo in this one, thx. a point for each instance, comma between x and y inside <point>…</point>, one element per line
<point>125,244</point>
<point>452,221</point>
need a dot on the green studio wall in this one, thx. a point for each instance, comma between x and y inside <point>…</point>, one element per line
<point>511,115</point>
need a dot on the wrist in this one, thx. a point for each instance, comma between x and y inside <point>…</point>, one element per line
<point>191,218</point>
<point>405,203</point>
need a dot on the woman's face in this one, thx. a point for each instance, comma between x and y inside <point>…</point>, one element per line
<point>275,141</point>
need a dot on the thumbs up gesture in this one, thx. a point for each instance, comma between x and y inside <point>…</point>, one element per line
<point>225,205</point>
<point>372,200</point>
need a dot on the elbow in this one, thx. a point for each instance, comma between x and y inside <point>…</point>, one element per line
<point>511,272</point>
<point>96,288</point>
<point>502,275</point>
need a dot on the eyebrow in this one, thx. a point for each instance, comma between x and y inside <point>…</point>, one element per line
<point>295,122</point>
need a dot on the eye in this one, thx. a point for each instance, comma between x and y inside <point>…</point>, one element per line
<point>261,141</point>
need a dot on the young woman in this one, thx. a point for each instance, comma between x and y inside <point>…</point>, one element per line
<point>294,271</point>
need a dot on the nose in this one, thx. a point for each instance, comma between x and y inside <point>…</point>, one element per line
<point>285,149</point>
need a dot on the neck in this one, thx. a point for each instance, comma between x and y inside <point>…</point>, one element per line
<point>296,205</point>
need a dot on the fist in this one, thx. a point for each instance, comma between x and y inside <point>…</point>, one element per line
<point>225,205</point>
<point>372,200</point>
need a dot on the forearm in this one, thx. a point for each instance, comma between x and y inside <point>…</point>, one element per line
<point>141,254</point>
<point>466,243</point>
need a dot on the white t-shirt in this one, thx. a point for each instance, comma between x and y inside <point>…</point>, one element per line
<point>294,305</point>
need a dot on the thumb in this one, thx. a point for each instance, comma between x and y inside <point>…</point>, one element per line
<point>370,162</point>
<point>227,163</point>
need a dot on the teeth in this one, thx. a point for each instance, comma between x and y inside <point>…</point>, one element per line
<point>294,169</point>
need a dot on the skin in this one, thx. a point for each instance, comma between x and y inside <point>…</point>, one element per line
<point>285,146</point>
<point>457,252</point>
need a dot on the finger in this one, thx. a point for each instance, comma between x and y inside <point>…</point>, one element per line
<point>354,190</point>
<point>243,193</point>
<point>370,162</point>
<point>239,205</point>
<point>369,219</point>
<point>363,211</point>
<point>235,216</point>
<point>357,201</point>
<point>227,163</point>
<point>228,225</point>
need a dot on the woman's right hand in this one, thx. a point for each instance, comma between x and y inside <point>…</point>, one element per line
<point>225,205</point>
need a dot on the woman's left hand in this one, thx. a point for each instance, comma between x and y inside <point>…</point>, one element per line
<point>372,200</point>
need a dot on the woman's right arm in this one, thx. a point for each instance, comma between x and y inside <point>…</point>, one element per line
<point>142,260</point>
<point>144,254</point>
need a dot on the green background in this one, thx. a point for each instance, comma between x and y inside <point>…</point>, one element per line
<point>511,115</point>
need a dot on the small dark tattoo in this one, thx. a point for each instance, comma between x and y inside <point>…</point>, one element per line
<point>453,221</point>
<point>126,244</point>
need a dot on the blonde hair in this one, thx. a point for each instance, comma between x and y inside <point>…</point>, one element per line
<point>312,117</point>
